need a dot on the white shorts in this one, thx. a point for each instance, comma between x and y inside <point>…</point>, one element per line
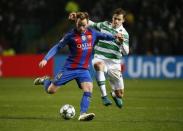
<point>112,71</point>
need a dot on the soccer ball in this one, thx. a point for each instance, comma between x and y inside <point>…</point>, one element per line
<point>67,111</point>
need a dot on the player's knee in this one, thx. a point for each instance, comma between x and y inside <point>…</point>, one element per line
<point>88,89</point>
<point>98,66</point>
<point>87,86</point>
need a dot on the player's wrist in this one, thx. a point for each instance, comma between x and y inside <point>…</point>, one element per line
<point>45,59</point>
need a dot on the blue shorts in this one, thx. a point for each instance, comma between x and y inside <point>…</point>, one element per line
<point>66,75</point>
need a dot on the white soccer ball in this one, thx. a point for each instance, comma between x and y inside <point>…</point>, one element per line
<point>67,111</point>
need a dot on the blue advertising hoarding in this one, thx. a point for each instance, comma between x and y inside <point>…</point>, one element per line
<point>143,66</point>
<point>153,67</point>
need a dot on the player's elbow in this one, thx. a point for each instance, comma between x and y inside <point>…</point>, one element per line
<point>125,51</point>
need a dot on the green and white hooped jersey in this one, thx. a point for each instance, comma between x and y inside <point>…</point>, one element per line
<point>110,49</point>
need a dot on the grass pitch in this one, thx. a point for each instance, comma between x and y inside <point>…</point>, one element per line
<point>150,105</point>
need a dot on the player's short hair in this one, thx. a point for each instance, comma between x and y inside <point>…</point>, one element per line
<point>82,15</point>
<point>119,11</point>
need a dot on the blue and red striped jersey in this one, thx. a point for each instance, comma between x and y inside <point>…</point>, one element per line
<point>80,46</point>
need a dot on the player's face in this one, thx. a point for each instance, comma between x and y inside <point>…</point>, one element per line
<point>117,20</point>
<point>81,25</point>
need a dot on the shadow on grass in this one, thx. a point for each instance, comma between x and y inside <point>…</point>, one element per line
<point>144,121</point>
<point>30,118</point>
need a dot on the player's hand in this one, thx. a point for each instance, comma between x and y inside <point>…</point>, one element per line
<point>119,37</point>
<point>72,16</point>
<point>42,63</point>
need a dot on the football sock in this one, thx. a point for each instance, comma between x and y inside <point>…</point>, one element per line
<point>113,94</point>
<point>101,82</point>
<point>85,102</point>
<point>103,90</point>
<point>47,83</point>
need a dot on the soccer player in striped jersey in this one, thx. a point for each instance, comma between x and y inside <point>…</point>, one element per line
<point>108,56</point>
<point>80,41</point>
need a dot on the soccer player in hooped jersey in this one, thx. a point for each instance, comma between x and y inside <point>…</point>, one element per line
<point>108,56</point>
<point>80,41</point>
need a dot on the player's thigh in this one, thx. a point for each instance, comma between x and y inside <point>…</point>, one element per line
<point>84,80</point>
<point>98,64</point>
<point>116,79</point>
<point>64,76</point>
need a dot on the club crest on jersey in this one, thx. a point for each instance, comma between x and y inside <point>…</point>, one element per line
<point>89,37</point>
<point>83,38</point>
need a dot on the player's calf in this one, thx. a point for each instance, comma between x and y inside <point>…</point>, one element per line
<point>52,89</point>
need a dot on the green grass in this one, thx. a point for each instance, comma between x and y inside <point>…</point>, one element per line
<point>150,105</point>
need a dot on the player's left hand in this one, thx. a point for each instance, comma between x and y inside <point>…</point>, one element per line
<point>72,16</point>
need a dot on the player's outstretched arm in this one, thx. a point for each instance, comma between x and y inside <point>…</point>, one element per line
<point>50,54</point>
<point>54,50</point>
<point>103,36</point>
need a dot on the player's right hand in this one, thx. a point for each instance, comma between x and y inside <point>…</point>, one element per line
<point>72,16</point>
<point>42,63</point>
<point>119,38</point>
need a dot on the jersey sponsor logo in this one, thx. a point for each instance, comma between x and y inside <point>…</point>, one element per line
<point>85,45</point>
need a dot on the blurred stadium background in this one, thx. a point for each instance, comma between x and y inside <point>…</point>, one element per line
<point>30,26</point>
<point>155,29</point>
<point>153,70</point>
